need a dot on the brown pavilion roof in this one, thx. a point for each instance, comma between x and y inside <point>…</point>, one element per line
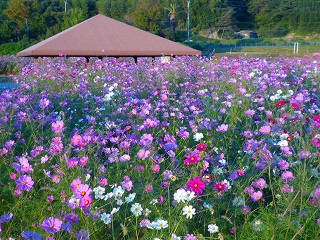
<point>104,36</point>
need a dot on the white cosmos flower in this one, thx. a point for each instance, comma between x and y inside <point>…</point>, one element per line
<point>213,228</point>
<point>283,143</point>
<point>175,237</point>
<point>190,195</point>
<point>99,191</point>
<point>180,195</point>
<point>106,218</point>
<point>161,224</point>
<point>131,197</point>
<point>189,211</point>
<point>198,136</point>
<point>114,210</point>
<point>136,209</point>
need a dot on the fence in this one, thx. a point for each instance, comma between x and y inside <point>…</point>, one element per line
<point>292,47</point>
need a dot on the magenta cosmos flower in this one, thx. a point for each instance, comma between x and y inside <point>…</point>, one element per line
<point>196,185</point>
<point>220,187</point>
<point>51,225</point>
<point>316,141</point>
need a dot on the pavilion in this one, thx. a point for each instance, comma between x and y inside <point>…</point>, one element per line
<point>101,36</point>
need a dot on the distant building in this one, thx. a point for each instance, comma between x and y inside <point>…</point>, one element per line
<point>246,34</point>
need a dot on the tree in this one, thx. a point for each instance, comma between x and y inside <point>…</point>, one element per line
<point>18,10</point>
<point>173,18</point>
<point>149,15</point>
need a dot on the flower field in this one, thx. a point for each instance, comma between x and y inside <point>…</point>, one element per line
<point>195,149</point>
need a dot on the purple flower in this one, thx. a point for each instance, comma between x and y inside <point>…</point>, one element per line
<point>222,128</point>
<point>284,165</point>
<point>245,209</point>
<point>73,162</point>
<point>83,235</point>
<point>190,237</point>
<point>304,154</point>
<point>256,196</point>
<point>127,185</point>
<point>57,126</point>
<point>31,235</point>
<point>6,218</point>
<point>146,140</point>
<point>260,183</point>
<point>287,176</point>
<point>143,154</point>
<point>51,225</point>
<point>261,164</point>
<point>25,183</point>
<point>144,222</point>
<point>249,190</point>
<point>316,193</point>
<point>286,188</point>
<point>265,129</point>
<point>72,218</point>
<point>66,226</point>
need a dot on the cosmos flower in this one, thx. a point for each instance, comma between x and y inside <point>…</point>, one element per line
<point>25,183</point>
<point>189,211</point>
<point>57,126</point>
<point>213,228</point>
<point>51,225</point>
<point>136,209</point>
<point>196,185</point>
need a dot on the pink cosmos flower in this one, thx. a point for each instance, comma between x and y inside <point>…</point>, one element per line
<point>103,182</point>
<point>75,184</point>
<point>85,202</point>
<point>223,128</point>
<point>57,126</point>
<point>196,185</point>
<point>143,154</point>
<point>287,176</point>
<point>265,129</point>
<point>260,183</point>
<point>156,168</point>
<point>256,196</point>
<point>76,140</point>
<point>82,191</point>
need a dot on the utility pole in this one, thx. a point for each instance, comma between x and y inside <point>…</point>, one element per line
<point>65,5</point>
<point>28,29</point>
<point>188,22</point>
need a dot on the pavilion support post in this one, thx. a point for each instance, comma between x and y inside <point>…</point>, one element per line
<point>135,59</point>
<point>87,59</point>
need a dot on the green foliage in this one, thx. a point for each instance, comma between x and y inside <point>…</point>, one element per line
<point>38,19</point>
<point>13,48</point>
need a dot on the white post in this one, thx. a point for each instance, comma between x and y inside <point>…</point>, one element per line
<point>296,47</point>
<point>188,21</point>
